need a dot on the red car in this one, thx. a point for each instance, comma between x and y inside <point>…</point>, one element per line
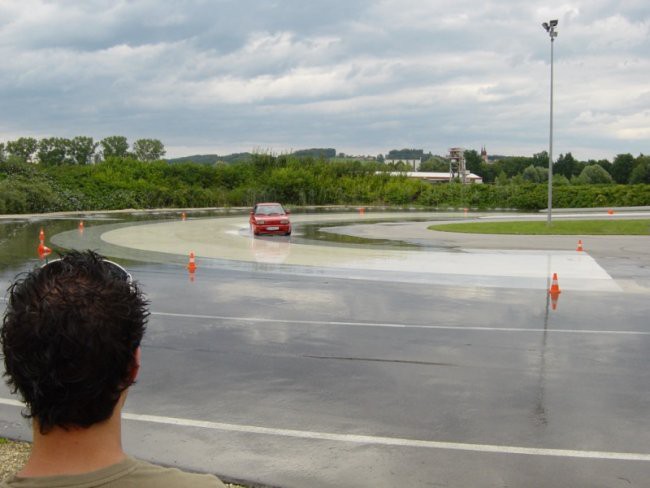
<point>270,218</point>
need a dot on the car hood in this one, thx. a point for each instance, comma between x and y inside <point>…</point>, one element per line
<point>271,218</point>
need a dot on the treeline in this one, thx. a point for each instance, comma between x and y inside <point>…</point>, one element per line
<point>407,154</point>
<point>80,150</point>
<point>625,169</point>
<point>124,182</point>
<point>318,153</point>
<point>212,158</point>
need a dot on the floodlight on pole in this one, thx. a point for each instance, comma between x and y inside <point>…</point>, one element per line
<point>550,28</point>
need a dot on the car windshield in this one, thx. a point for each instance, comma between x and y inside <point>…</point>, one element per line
<point>269,210</point>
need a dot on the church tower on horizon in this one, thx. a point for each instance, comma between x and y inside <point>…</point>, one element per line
<point>484,155</point>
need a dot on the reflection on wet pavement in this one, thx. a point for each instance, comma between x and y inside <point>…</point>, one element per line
<point>401,346</point>
<point>224,239</point>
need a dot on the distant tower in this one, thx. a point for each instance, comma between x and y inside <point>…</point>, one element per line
<point>457,164</point>
<point>484,156</point>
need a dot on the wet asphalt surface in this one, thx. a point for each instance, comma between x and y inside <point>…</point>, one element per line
<point>296,380</point>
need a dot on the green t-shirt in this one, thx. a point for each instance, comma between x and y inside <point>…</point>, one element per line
<point>130,473</point>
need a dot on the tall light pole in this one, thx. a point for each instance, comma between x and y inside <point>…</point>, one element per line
<point>550,28</point>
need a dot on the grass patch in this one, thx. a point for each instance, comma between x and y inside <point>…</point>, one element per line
<point>562,227</point>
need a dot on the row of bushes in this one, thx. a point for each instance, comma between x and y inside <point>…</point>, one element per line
<point>126,183</point>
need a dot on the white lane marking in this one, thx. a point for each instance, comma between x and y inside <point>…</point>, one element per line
<point>13,403</point>
<point>376,440</point>
<point>400,326</point>
<point>566,216</point>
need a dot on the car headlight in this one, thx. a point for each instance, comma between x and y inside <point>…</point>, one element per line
<point>284,221</point>
<point>260,222</point>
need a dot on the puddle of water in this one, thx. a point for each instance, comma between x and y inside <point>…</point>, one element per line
<point>319,232</point>
<point>19,238</point>
<point>314,232</point>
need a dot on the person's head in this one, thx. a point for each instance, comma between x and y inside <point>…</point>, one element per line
<point>69,339</point>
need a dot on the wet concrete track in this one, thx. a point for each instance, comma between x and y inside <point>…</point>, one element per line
<point>265,368</point>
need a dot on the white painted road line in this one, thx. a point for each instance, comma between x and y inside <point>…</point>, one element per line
<point>13,403</point>
<point>584,216</point>
<point>400,326</point>
<point>375,440</point>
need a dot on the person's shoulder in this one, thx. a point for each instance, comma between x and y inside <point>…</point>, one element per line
<point>147,474</point>
<point>130,473</point>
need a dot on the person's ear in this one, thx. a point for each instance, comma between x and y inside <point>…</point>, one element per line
<point>135,365</point>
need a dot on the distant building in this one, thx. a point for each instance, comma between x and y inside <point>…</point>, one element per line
<point>457,164</point>
<point>484,154</point>
<point>360,157</point>
<point>411,157</point>
<point>413,163</point>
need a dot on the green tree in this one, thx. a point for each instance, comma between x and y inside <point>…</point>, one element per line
<point>603,163</point>
<point>473,161</point>
<point>317,152</point>
<point>2,151</point>
<point>530,174</point>
<point>53,151</point>
<point>502,179</point>
<point>82,149</point>
<point>114,146</point>
<point>567,165</point>
<point>435,164</point>
<point>513,165</point>
<point>641,172</point>
<point>23,147</point>
<point>517,180</point>
<point>622,168</point>
<point>560,180</point>
<point>488,172</point>
<point>399,166</point>
<point>148,149</point>
<point>540,159</point>
<point>405,154</point>
<point>535,174</point>
<point>594,174</point>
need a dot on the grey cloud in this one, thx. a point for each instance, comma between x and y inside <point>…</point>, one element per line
<point>337,73</point>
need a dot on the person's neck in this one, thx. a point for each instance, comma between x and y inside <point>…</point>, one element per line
<point>76,450</point>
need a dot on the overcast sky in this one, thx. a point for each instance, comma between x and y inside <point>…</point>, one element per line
<point>364,77</point>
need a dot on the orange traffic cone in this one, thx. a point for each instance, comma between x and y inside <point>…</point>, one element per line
<point>554,297</point>
<point>555,288</point>
<point>362,210</point>
<point>191,266</point>
<point>610,212</point>
<point>41,235</point>
<point>43,250</point>
<point>183,216</point>
<point>81,226</point>
<point>579,249</point>
<point>554,292</point>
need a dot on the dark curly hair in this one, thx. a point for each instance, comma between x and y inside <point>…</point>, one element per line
<point>69,336</point>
